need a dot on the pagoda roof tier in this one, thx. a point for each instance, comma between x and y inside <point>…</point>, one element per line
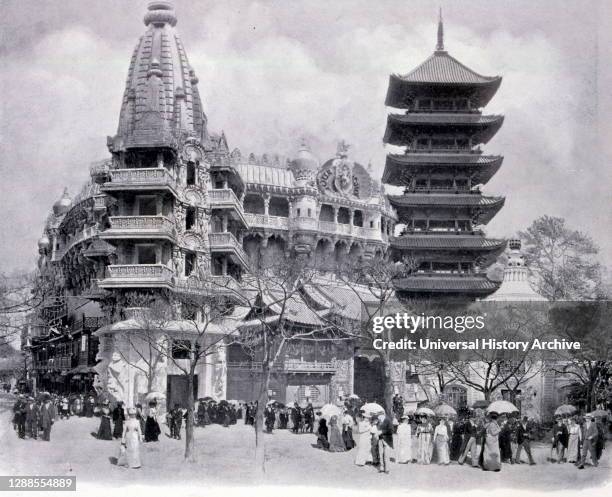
<point>450,241</point>
<point>401,128</point>
<point>447,284</point>
<point>400,167</point>
<point>441,74</point>
<point>483,208</point>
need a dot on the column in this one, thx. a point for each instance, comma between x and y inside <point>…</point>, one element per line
<point>224,222</point>
<point>336,209</point>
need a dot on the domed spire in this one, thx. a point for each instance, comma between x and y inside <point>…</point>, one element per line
<point>63,205</point>
<point>440,44</point>
<point>161,102</point>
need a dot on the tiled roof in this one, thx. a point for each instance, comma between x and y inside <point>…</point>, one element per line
<point>451,119</point>
<point>450,241</point>
<point>446,199</point>
<point>443,68</point>
<point>447,284</point>
<point>266,175</point>
<point>481,167</point>
<point>440,71</point>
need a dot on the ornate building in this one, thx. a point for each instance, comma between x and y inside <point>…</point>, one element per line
<point>175,211</point>
<point>442,209</point>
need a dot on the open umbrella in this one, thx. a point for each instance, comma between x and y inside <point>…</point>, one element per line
<point>599,413</point>
<point>565,409</point>
<point>329,410</point>
<point>205,399</point>
<point>372,409</point>
<point>154,396</point>
<point>353,396</point>
<point>424,411</point>
<point>501,407</point>
<point>445,410</point>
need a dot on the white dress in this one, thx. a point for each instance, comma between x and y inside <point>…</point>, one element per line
<point>132,437</point>
<point>364,443</point>
<point>441,438</point>
<point>404,442</point>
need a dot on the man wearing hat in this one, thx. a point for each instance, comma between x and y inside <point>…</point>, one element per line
<point>590,433</point>
<point>469,444</point>
<point>47,418</point>
<point>385,442</point>
<point>32,412</point>
<point>523,441</point>
<point>19,413</point>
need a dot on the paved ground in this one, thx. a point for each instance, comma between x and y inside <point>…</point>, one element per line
<point>225,458</point>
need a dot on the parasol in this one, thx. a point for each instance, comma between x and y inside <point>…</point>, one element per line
<point>501,407</point>
<point>565,409</point>
<point>445,410</point>
<point>424,411</point>
<point>599,413</point>
<point>353,396</point>
<point>372,409</point>
<point>329,410</point>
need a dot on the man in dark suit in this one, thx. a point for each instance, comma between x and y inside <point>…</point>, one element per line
<point>47,418</point>
<point>590,434</point>
<point>523,441</point>
<point>560,438</point>
<point>469,442</point>
<point>385,442</point>
<point>31,418</point>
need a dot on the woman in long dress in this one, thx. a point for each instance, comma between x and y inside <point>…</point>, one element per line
<point>336,443</point>
<point>456,440</point>
<point>322,440</point>
<point>374,437</point>
<point>347,430</point>
<point>152,429</point>
<point>575,438</point>
<point>424,432</point>
<point>404,441</point>
<point>364,446</point>
<point>118,419</point>
<point>491,458</point>
<point>441,439</point>
<point>104,431</point>
<point>131,439</point>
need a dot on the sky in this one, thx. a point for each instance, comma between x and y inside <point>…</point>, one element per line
<point>272,72</point>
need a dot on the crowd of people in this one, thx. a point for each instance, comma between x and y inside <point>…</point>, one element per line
<point>485,440</point>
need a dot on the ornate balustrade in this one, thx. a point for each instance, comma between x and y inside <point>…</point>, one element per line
<point>212,284</point>
<point>347,229</point>
<point>223,198</point>
<point>145,178</point>
<point>139,227</point>
<point>306,366</point>
<point>137,275</point>
<point>80,236</point>
<point>226,242</point>
<point>263,221</point>
<point>305,223</point>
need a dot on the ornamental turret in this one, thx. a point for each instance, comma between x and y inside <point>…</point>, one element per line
<point>442,167</point>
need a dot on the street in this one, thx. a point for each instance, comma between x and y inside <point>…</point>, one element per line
<point>225,457</point>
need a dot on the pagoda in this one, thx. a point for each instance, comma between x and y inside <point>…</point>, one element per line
<point>441,170</point>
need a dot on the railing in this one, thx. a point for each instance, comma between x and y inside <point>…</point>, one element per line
<point>308,366</point>
<point>263,221</point>
<point>305,223</point>
<point>155,272</point>
<point>224,196</point>
<point>100,168</point>
<point>100,202</point>
<point>251,366</point>
<point>225,241</point>
<point>142,223</point>
<point>84,234</point>
<point>142,176</point>
<point>214,283</point>
<point>347,229</point>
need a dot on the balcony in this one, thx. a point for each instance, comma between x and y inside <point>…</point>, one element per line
<point>305,223</point>
<point>226,243</point>
<point>139,227</point>
<point>214,284</point>
<point>263,221</point>
<point>225,198</point>
<point>309,367</point>
<point>137,276</point>
<point>143,179</point>
<point>349,230</point>
<point>80,236</point>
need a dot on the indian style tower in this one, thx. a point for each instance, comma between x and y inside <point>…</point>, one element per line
<point>441,170</point>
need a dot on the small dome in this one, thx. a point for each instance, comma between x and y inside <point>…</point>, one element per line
<point>305,159</point>
<point>44,242</point>
<point>63,205</point>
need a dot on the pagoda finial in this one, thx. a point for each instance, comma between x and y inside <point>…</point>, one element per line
<point>440,45</point>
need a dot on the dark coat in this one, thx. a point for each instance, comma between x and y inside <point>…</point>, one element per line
<point>47,416</point>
